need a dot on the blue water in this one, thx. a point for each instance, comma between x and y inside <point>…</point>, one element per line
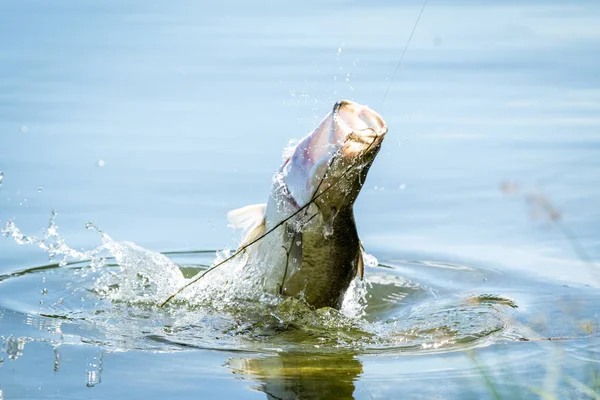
<point>152,120</point>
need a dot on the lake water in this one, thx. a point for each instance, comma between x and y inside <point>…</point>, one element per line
<point>152,120</point>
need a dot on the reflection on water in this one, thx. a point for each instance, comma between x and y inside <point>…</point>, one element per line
<point>302,375</point>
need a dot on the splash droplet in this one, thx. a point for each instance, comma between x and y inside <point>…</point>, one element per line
<point>94,372</point>
<point>14,347</point>
<point>1,177</point>
<point>101,163</point>
<point>40,189</point>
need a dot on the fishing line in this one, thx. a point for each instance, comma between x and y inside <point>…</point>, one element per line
<point>280,223</point>
<point>404,51</point>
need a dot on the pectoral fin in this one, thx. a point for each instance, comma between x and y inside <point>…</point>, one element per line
<point>247,217</point>
<point>254,233</point>
<point>251,219</point>
<point>360,263</point>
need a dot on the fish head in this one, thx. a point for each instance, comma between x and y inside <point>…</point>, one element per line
<point>329,166</point>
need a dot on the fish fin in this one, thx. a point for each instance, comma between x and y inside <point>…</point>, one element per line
<point>254,233</point>
<point>248,217</point>
<point>360,263</point>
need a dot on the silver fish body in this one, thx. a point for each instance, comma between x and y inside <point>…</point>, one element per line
<point>312,250</point>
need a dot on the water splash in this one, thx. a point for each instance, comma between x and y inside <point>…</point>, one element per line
<point>355,300</point>
<point>51,242</point>
<point>111,294</point>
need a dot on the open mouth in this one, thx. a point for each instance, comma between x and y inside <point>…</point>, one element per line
<point>349,130</point>
<point>358,122</point>
<point>358,127</point>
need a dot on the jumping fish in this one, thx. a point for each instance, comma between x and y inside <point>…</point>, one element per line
<point>305,236</point>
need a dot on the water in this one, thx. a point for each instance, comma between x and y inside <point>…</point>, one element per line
<point>154,120</point>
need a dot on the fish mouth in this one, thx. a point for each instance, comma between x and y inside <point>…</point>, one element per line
<point>350,133</point>
<point>357,126</point>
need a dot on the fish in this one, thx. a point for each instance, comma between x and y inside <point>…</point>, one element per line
<point>303,242</point>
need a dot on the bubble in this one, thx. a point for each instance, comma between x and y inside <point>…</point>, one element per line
<point>101,163</point>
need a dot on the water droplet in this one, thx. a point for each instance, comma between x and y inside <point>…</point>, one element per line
<point>40,189</point>
<point>14,347</point>
<point>402,186</point>
<point>24,129</point>
<point>94,372</point>
<point>339,51</point>
<point>56,359</point>
<point>44,291</point>
<point>101,163</point>
<point>348,77</point>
